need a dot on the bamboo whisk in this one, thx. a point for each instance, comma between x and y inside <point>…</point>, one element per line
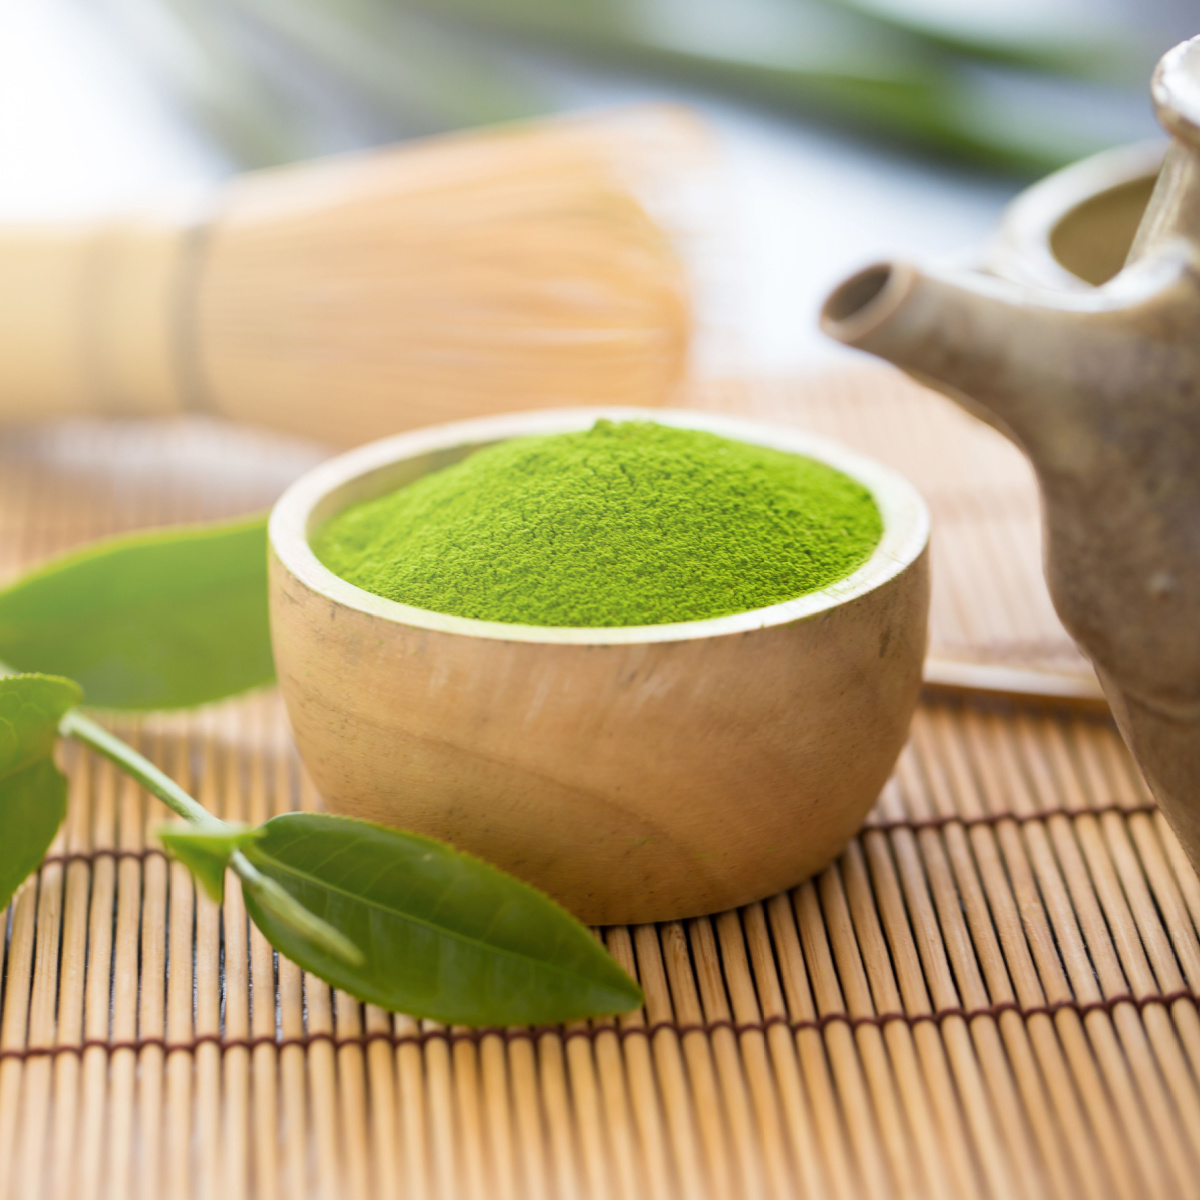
<point>356,296</point>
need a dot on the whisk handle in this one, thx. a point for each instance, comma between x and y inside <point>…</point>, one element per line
<point>90,317</point>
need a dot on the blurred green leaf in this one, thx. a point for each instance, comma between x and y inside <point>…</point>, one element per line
<point>161,620</point>
<point>426,77</point>
<point>990,82</point>
<point>33,792</point>
<point>197,50</point>
<point>443,935</point>
<point>847,61</point>
<point>279,80</point>
<point>1040,34</point>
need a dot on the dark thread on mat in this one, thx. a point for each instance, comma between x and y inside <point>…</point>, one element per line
<point>913,823</point>
<point>89,856</point>
<point>419,1037</point>
<point>996,818</point>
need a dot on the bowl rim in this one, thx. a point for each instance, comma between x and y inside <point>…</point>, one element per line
<point>905,515</point>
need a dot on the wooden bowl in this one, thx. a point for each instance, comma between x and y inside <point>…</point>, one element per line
<point>635,774</point>
<point>1074,228</point>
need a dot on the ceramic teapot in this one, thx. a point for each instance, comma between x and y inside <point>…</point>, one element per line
<point>1101,390</point>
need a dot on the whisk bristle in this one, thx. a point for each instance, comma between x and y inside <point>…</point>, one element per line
<point>352,297</point>
<point>450,279</point>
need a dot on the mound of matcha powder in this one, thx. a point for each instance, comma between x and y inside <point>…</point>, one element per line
<point>628,523</point>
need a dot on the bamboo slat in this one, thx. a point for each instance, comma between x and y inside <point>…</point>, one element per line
<point>992,994</point>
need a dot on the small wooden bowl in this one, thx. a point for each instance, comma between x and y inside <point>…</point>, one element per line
<point>635,774</point>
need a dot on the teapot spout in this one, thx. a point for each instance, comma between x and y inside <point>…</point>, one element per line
<point>976,339</point>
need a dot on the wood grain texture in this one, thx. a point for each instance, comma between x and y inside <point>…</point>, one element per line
<point>600,764</point>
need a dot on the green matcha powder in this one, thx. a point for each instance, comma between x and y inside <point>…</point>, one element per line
<point>625,524</point>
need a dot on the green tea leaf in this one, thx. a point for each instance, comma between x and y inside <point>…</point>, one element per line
<point>444,935</point>
<point>33,802</point>
<point>33,792</point>
<point>162,620</point>
<point>206,852</point>
<point>31,707</point>
<point>271,898</point>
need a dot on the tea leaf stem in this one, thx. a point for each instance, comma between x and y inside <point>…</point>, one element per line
<point>288,909</point>
<point>76,725</point>
<point>268,892</point>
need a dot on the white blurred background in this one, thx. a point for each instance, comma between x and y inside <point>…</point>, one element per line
<point>849,129</point>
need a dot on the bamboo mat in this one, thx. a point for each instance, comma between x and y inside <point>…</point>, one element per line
<point>991,994</point>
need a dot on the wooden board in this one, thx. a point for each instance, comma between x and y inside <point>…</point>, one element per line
<point>992,994</point>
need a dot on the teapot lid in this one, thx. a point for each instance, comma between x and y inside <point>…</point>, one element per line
<point>1176,91</point>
